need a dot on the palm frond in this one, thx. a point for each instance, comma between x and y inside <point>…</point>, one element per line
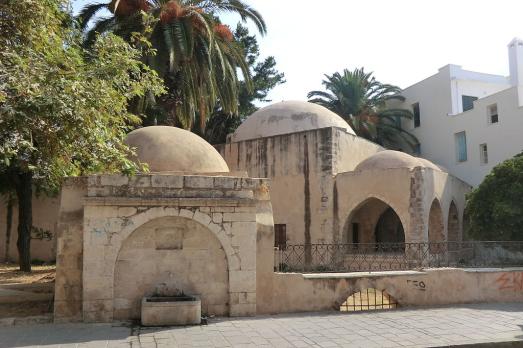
<point>88,12</point>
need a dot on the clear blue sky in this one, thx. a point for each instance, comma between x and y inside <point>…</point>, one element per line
<point>402,41</point>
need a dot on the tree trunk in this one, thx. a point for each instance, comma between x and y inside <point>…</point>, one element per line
<point>203,116</point>
<point>24,192</point>
<point>9,225</point>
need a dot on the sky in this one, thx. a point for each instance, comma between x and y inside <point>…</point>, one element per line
<point>401,41</point>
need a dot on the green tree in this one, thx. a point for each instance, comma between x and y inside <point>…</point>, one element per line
<point>197,55</point>
<point>265,77</point>
<point>63,110</point>
<point>362,101</point>
<point>495,207</point>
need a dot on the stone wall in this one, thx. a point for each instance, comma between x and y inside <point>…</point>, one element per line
<point>120,215</point>
<point>433,287</point>
<point>301,167</point>
<point>409,192</point>
<point>69,261</point>
<point>168,256</point>
<point>446,189</point>
<point>314,189</point>
<point>355,189</point>
<point>45,217</point>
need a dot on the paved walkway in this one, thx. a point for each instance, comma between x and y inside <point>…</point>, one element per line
<point>467,324</point>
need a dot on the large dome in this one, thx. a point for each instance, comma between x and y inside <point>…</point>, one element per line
<point>288,117</point>
<point>170,149</point>
<point>389,159</point>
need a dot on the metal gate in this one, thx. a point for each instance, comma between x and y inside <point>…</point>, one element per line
<point>368,300</point>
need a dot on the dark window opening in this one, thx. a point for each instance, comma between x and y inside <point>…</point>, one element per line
<point>468,102</point>
<point>389,228</point>
<point>483,153</point>
<point>280,236</point>
<point>355,233</point>
<point>416,112</point>
<point>493,113</point>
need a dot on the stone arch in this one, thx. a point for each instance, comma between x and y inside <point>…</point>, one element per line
<point>152,213</point>
<point>169,254</point>
<point>453,230</point>
<point>376,221</point>
<point>368,299</point>
<point>436,229</point>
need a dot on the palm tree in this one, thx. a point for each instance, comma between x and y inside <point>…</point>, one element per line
<point>362,101</point>
<point>196,54</point>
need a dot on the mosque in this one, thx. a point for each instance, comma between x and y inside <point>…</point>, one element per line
<point>207,219</point>
<point>330,186</point>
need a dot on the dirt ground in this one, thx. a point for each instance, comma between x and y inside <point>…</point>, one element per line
<point>25,309</point>
<point>9,273</point>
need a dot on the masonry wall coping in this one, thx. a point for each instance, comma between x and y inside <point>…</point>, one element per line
<point>182,202</point>
<point>234,174</point>
<point>492,270</point>
<point>351,275</point>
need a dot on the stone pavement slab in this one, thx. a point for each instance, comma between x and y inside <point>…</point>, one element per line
<point>429,327</point>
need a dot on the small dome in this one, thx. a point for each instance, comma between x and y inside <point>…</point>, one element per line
<point>288,117</point>
<point>389,159</point>
<point>171,149</point>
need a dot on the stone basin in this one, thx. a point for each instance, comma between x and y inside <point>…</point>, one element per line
<point>170,311</point>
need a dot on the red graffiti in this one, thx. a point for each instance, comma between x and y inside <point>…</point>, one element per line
<point>510,281</point>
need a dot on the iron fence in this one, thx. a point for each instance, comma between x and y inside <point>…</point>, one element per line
<point>397,256</point>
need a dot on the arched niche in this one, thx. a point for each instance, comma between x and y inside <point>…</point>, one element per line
<point>453,224</point>
<point>368,300</point>
<point>374,221</point>
<point>436,229</point>
<point>389,228</point>
<point>166,255</point>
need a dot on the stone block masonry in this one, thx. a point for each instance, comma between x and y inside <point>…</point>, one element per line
<point>120,222</point>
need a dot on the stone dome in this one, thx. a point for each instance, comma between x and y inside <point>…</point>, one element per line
<point>430,164</point>
<point>288,117</point>
<point>389,159</point>
<point>170,149</point>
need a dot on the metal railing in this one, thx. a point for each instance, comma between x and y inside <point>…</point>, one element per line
<point>397,256</point>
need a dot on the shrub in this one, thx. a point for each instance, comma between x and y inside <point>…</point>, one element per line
<point>495,208</point>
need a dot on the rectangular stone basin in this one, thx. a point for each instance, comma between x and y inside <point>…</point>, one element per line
<point>169,311</point>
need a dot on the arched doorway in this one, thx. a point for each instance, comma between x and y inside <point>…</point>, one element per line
<point>389,228</point>
<point>436,230</point>
<point>168,255</point>
<point>374,221</point>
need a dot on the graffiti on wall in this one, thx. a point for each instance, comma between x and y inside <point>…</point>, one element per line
<point>417,284</point>
<point>510,281</point>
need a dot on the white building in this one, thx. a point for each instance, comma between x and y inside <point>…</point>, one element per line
<point>468,121</point>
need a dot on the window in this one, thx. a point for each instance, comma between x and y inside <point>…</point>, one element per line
<point>461,146</point>
<point>468,102</point>
<point>280,236</point>
<point>483,153</point>
<point>493,113</point>
<point>355,233</point>
<point>415,111</point>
